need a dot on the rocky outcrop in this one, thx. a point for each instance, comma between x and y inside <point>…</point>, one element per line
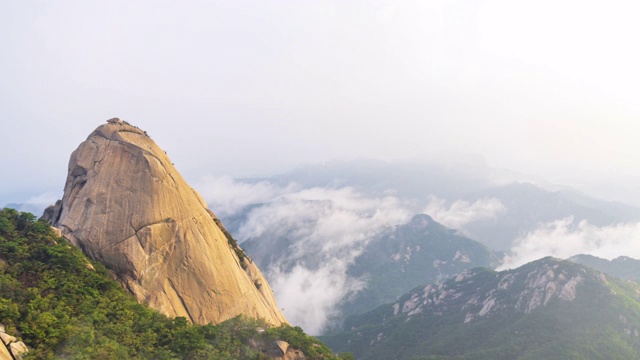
<point>280,350</point>
<point>126,206</point>
<point>11,348</point>
<point>481,293</point>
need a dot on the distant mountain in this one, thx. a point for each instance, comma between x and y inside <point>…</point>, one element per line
<point>526,204</point>
<point>547,309</point>
<point>390,264</point>
<point>409,255</point>
<point>495,207</point>
<point>409,179</point>
<point>623,267</point>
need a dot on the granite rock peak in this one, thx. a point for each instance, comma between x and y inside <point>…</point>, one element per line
<point>126,205</point>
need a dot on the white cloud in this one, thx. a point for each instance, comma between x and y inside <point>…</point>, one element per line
<point>462,212</point>
<point>564,238</point>
<point>225,196</point>
<point>329,228</point>
<point>308,297</point>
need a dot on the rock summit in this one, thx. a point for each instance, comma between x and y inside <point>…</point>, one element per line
<point>126,206</point>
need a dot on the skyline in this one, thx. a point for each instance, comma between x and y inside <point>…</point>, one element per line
<point>251,88</point>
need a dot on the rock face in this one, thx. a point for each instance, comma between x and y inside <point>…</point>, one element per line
<point>10,348</point>
<point>482,293</point>
<point>523,291</point>
<point>280,350</point>
<point>126,206</point>
<point>4,353</point>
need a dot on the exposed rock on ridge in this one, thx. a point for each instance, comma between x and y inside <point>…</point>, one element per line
<point>482,293</point>
<point>546,309</point>
<point>126,206</point>
<point>11,348</point>
<point>524,290</point>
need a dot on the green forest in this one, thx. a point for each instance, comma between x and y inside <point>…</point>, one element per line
<point>63,305</point>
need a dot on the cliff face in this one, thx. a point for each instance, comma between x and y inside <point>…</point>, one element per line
<point>126,206</point>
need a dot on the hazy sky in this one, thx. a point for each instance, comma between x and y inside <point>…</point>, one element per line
<point>549,88</point>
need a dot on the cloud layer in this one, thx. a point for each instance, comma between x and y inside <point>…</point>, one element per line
<point>565,237</point>
<point>328,228</point>
<point>226,196</point>
<point>461,212</point>
<point>325,229</point>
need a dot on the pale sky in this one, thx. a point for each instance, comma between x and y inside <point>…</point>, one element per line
<point>548,88</point>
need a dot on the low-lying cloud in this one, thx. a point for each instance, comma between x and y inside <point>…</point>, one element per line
<point>565,238</point>
<point>461,212</point>
<point>226,196</point>
<point>319,233</point>
<point>309,297</point>
<point>328,229</point>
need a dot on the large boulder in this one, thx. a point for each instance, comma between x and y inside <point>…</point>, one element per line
<point>18,349</point>
<point>280,350</point>
<point>127,206</point>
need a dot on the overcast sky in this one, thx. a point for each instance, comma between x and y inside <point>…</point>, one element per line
<point>549,88</point>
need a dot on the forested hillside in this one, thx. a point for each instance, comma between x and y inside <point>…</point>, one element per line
<point>547,309</point>
<point>62,305</point>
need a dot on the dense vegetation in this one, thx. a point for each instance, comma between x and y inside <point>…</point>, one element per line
<point>62,305</point>
<point>603,322</point>
<point>233,244</point>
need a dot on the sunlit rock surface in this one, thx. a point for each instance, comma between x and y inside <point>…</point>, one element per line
<point>127,206</point>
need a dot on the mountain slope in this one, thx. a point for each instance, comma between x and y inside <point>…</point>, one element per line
<point>66,306</point>
<point>548,309</point>
<point>387,265</point>
<point>622,267</point>
<point>409,255</point>
<point>126,206</point>
<point>527,206</point>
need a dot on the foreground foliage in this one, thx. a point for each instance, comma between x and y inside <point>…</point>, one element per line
<point>63,305</point>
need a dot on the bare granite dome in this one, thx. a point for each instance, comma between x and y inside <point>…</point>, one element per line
<point>126,206</point>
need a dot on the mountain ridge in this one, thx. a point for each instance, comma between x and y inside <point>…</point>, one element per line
<point>548,308</point>
<point>388,264</point>
<point>528,200</point>
<point>622,267</point>
<point>126,206</point>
